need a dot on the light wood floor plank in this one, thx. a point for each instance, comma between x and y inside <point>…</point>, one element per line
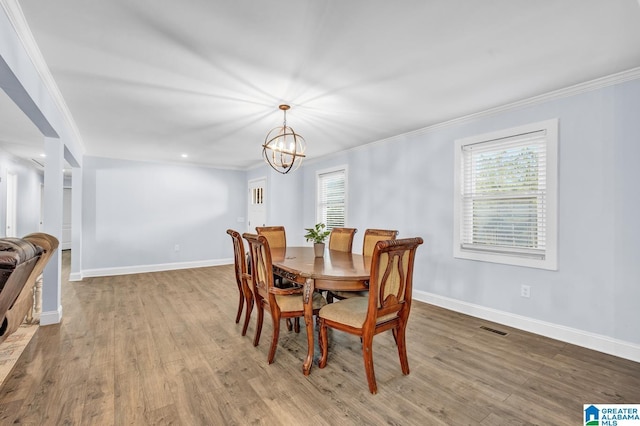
<point>100,395</point>
<point>129,400</point>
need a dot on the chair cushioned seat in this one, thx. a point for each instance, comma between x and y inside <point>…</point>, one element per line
<point>293,302</point>
<point>352,312</point>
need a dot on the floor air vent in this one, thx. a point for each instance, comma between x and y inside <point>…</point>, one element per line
<point>493,330</point>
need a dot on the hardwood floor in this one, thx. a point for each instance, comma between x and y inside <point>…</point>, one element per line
<point>163,348</point>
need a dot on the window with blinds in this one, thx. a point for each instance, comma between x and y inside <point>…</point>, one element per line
<point>506,185</point>
<point>332,191</point>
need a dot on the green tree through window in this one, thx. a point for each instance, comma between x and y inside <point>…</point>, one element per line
<point>505,209</point>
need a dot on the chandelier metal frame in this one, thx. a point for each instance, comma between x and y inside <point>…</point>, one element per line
<point>283,148</point>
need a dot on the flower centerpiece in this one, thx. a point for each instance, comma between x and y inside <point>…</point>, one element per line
<point>318,235</point>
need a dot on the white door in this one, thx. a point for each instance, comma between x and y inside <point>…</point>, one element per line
<point>12,192</point>
<point>257,212</point>
<point>40,227</point>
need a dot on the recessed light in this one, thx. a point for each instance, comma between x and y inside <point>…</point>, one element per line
<point>184,155</point>
<point>43,155</point>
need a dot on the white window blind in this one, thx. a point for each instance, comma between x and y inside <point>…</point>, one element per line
<point>506,205</point>
<point>332,198</point>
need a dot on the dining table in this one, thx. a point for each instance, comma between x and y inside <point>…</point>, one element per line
<point>335,270</point>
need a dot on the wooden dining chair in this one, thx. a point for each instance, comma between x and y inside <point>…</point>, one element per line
<point>277,238</point>
<point>280,302</point>
<point>372,236</point>
<point>242,279</point>
<point>276,235</point>
<point>386,308</point>
<point>341,239</point>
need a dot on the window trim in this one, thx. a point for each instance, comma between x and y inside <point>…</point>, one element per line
<point>344,168</point>
<point>549,259</point>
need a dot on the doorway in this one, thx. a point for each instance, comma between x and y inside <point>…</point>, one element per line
<point>12,194</point>
<point>257,212</point>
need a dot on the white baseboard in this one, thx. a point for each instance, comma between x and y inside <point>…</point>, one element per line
<point>51,317</point>
<point>574,336</point>
<point>139,269</point>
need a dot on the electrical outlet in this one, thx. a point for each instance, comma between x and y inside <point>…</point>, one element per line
<point>176,247</point>
<point>525,291</point>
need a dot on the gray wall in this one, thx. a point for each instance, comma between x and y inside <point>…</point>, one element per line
<point>407,183</point>
<point>134,213</point>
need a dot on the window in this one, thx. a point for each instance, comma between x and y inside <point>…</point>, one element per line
<point>257,196</point>
<point>505,202</point>
<point>332,195</point>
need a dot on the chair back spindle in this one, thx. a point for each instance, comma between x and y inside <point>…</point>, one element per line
<point>390,285</point>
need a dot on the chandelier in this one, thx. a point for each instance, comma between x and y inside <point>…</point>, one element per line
<point>283,149</point>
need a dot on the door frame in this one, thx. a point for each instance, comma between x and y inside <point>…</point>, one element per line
<point>11,223</point>
<point>260,220</point>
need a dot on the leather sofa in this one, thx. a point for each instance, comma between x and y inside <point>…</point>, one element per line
<point>22,260</point>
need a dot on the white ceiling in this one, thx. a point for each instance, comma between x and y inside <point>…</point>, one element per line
<point>153,79</point>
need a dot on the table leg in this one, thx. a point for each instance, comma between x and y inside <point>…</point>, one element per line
<point>307,298</point>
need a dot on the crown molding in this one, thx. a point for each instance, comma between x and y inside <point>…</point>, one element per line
<point>576,89</point>
<point>599,83</point>
<point>16,17</point>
